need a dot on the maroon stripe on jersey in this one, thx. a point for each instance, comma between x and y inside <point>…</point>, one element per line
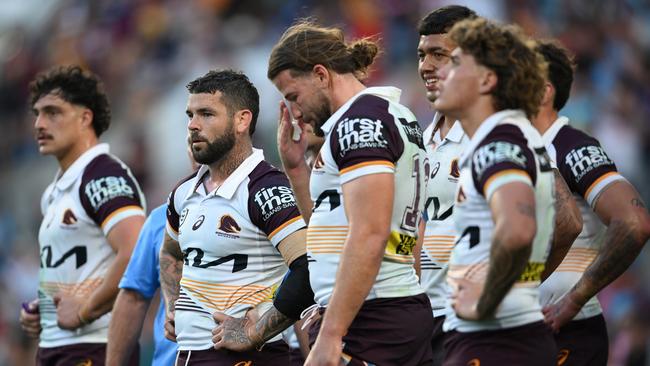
<point>580,159</point>
<point>504,148</point>
<point>106,186</point>
<point>271,202</point>
<point>366,132</point>
<point>173,216</point>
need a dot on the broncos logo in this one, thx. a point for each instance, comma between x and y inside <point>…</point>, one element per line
<point>86,362</point>
<point>454,171</point>
<point>69,218</point>
<point>228,225</point>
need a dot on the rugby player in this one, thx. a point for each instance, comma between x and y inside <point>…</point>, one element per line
<point>92,214</point>
<point>616,223</point>
<point>362,228</point>
<point>233,227</point>
<point>504,207</point>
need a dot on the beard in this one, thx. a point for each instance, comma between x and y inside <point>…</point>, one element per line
<point>321,114</point>
<point>216,149</point>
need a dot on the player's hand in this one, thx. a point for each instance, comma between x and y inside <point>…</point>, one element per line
<point>292,153</point>
<point>464,300</point>
<point>326,352</point>
<point>235,334</point>
<point>558,314</point>
<point>170,326</point>
<point>67,311</point>
<point>30,318</point>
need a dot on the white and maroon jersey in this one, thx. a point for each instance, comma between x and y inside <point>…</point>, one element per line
<point>440,232</point>
<point>506,148</point>
<point>79,209</point>
<point>371,133</point>
<point>229,239</point>
<point>587,170</point>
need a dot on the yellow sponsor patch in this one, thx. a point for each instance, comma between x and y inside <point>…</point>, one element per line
<point>532,272</point>
<point>400,244</point>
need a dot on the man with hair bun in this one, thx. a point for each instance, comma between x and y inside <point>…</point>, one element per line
<point>362,201</point>
<point>504,206</point>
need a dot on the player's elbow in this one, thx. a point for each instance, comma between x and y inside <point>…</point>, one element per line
<point>643,231</point>
<point>574,226</point>
<point>516,236</point>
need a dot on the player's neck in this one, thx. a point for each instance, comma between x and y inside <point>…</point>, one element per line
<point>473,117</point>
<point>69,156</point>
<point>221,170</point>
<point>445,126</point>
<point>344,87</point>
<point>545,119</point>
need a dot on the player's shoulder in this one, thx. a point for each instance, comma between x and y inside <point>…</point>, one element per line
<point>104,165</point>
<point>184,184</point>
<point>265,175</point>
<point>569,137</point>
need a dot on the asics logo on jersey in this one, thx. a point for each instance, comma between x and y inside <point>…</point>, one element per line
<point>69,218</point>
<point>360,133</point>
<point>198,222</point>
<point>584,159</point>
<point>273,199</point>
<point>104,189</point>
<point>228,225</point>
<point>497,152</point>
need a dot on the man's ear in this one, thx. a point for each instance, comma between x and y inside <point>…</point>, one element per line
<point>549,93</point>
<point>321,76</point>
<point>242,121</point>
<point>87,118</point>
<point>487,81</point>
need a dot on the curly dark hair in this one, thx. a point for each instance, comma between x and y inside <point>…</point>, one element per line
<point>75,86</point>
<point>237,92</point>
<point>441,20</point>
<point>504,49</point>
<point>307,44</point>
<point>560,69</point>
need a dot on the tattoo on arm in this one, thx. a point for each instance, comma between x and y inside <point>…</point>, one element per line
<point>271,323</point>
<point>171,271</point>
<point>506,265</point>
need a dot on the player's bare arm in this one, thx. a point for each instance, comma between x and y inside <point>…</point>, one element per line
<point>129,312</point>
<point>292,154</point>
<point>369,215</point>
<point>568,224</point>
<point>417,250</point>
<point>241,334</point>
<point>513,212</point>
<point>171,271</point>
<point>74,312</point>
<point>621,208</point>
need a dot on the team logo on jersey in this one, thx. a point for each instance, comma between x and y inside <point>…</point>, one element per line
<point>86,362</point>
<point>183,216</point>
<point>562,356</point>
<point>228,227</point>
<point>360,133</point>
<point>436,167</point>
<point>454,170</point>
<point>497,152</point>
<point>318,162</point>
<point>198,222</point>
<point>69,219</point>
<point>584,159</point>
<point>460,197</point>
<point>104,189</point>
<point>474,362</point>
<point>274,199</point>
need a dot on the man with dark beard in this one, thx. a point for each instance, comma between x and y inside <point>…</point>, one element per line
<point>233,227</point>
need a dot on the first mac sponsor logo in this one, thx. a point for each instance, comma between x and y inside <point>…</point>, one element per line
<point>359,133</point>
<point>273,199</point>
<point>584,159</point>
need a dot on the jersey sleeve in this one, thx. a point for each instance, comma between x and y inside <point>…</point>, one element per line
<point>366,139</point>
<point>502,157</point>
<point>109,193</point>
<point>142,273</point>
<point>584,164</point>
<point>272,205</point>
<point>174,204</point>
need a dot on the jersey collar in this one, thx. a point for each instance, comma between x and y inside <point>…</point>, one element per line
<point>228,188</point>
<point>454,135</point>
<point>485,128</point>
<point>552,131</point>
<point>387,92</point>
<point>63,181</point>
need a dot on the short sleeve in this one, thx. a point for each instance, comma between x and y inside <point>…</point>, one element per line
<point>142,273</point>
<point>366,139</point>
<point>502,157</point>
<point>272,205</point>
<point>583,163</point>
<point>109,193</point>
<point>174,202</point>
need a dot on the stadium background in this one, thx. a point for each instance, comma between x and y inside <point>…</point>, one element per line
<point>147,50</point>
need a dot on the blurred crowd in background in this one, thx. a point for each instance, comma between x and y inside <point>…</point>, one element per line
<point>147,50</point>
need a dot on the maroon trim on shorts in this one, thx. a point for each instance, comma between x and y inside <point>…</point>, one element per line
<point>388,331</point>
<point>272,354</point>
<point>529,344</point>
<point>583,343</point>
<point>80,354</point>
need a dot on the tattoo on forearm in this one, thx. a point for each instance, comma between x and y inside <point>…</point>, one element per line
<point>506,265</point>
<point>171,271</point>
<point>271,323</point>
<point>619,250</point>
<point>637,202</point>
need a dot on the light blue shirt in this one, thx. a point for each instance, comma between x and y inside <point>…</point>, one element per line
<point>142,275</point>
